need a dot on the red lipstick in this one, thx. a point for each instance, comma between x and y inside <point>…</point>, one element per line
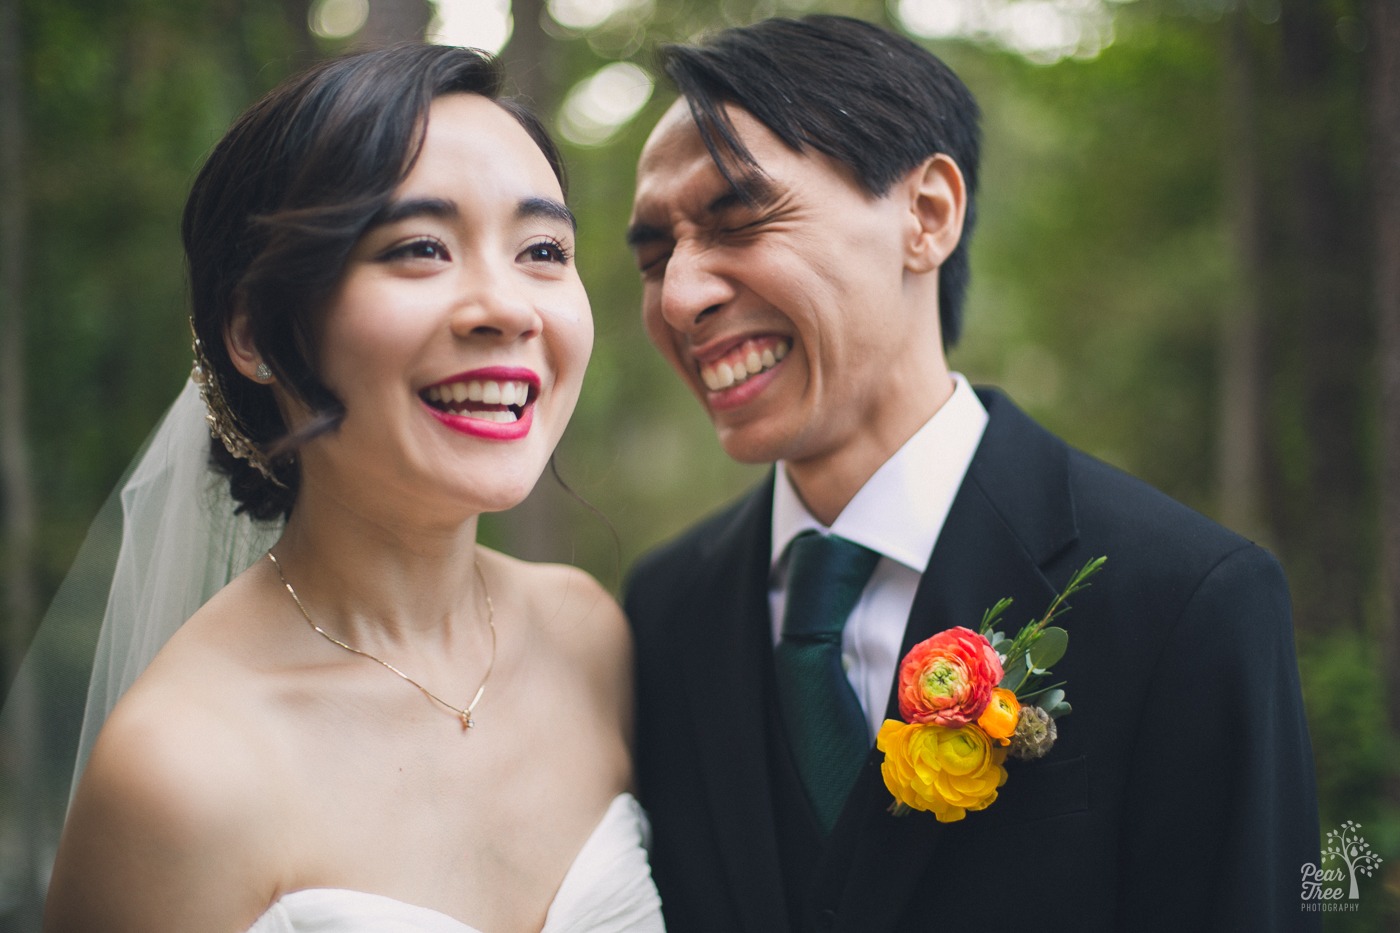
<point>494,402</point>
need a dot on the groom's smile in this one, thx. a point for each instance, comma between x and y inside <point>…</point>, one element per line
<point>749,359</point>
<point>779,290</point>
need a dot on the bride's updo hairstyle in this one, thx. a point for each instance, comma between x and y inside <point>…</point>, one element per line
<point>276,212</point>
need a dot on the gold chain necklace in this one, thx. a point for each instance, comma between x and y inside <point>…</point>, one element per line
<point>463,713</point>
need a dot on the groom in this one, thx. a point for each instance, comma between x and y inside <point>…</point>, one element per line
<point>801,224</point>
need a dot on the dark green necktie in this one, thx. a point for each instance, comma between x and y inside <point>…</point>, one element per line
<point>825,724</point>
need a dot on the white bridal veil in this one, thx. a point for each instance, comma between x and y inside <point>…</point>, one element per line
<point>181,542</point>
<point>164,542</point>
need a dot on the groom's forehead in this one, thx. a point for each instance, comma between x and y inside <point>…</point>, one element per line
<point>682,181</point>
<point>680,143</point>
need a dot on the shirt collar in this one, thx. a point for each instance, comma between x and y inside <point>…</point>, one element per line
<point>900,510</point>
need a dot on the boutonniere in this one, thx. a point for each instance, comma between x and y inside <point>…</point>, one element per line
<point>969,699</point>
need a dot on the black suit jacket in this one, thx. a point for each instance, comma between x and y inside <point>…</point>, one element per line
<point>1180,795</point>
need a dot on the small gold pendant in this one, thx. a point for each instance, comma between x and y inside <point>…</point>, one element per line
<point>467,721</point>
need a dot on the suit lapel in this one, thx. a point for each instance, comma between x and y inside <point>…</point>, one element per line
<point>1012,513</point>
<point>725,657</point>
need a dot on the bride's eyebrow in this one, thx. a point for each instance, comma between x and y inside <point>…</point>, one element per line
<point>408,208</point>
<point>446,209</point>
<point>548,208</point>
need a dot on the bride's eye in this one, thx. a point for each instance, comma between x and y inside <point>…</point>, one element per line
<point>417,248</point>
<point>547,250</point>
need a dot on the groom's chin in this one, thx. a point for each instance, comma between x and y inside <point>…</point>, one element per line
<point>750,443</point>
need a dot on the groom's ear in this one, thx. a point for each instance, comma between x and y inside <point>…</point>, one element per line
<point>936,195</point>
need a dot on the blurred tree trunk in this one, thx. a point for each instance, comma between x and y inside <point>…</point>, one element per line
<point>1319,283</point>
<point>1385,167</point>
<point>1242,373</point>
<point>392,21</point>
<point>529,59</point>
<point>20,747</point>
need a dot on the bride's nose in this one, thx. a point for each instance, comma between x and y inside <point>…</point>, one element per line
<point>493,301</point>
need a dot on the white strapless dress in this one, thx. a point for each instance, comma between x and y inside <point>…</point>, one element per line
<point>608,889</point>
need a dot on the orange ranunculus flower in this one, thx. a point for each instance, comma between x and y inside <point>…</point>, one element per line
<point>944,771</point>
<point>947,680</point>
<point>999,719</point>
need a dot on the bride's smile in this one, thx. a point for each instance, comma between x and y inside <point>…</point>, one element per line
<point>459,336</point>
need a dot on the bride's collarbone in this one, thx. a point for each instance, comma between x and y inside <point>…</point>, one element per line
<point>391,749</point>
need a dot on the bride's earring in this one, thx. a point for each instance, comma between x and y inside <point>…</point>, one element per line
<point>263,373</point>
<point>223,423</point>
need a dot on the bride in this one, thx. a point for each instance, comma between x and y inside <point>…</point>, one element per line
<point>381,724</point>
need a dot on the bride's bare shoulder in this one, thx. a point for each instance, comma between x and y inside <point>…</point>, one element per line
<point>181,791</point>
<point>168,751</point>
<point>562,600</point>
<point>175,797</point>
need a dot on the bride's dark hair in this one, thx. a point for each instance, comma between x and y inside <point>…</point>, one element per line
<point>276,211</point>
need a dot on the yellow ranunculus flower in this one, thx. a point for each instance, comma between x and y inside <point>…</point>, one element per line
<point>939,769</point>
<point>998,720</point>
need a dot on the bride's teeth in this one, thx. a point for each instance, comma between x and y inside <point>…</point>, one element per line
<point>779,351</point>
<point>724,375</point>
<point>753,362</point>
<point>741,372</point>
<point>501,417</point>
<point>768,359</point>
<point>452,396</point>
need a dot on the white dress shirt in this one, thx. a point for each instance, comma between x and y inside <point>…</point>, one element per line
<point>899,514</point>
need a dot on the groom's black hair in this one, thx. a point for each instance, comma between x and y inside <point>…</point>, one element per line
<point>868,98</point>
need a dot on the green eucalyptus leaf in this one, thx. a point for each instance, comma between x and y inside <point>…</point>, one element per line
<point>1014,673</point>
<point>1062,708</point>
<point>1049,647</point>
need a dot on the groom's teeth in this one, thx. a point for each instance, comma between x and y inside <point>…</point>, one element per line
<point>746,363</point>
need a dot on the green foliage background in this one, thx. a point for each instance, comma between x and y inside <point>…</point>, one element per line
<point>1104,273</point>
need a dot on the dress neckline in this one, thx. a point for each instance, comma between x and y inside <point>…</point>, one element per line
<point>622,807</point>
